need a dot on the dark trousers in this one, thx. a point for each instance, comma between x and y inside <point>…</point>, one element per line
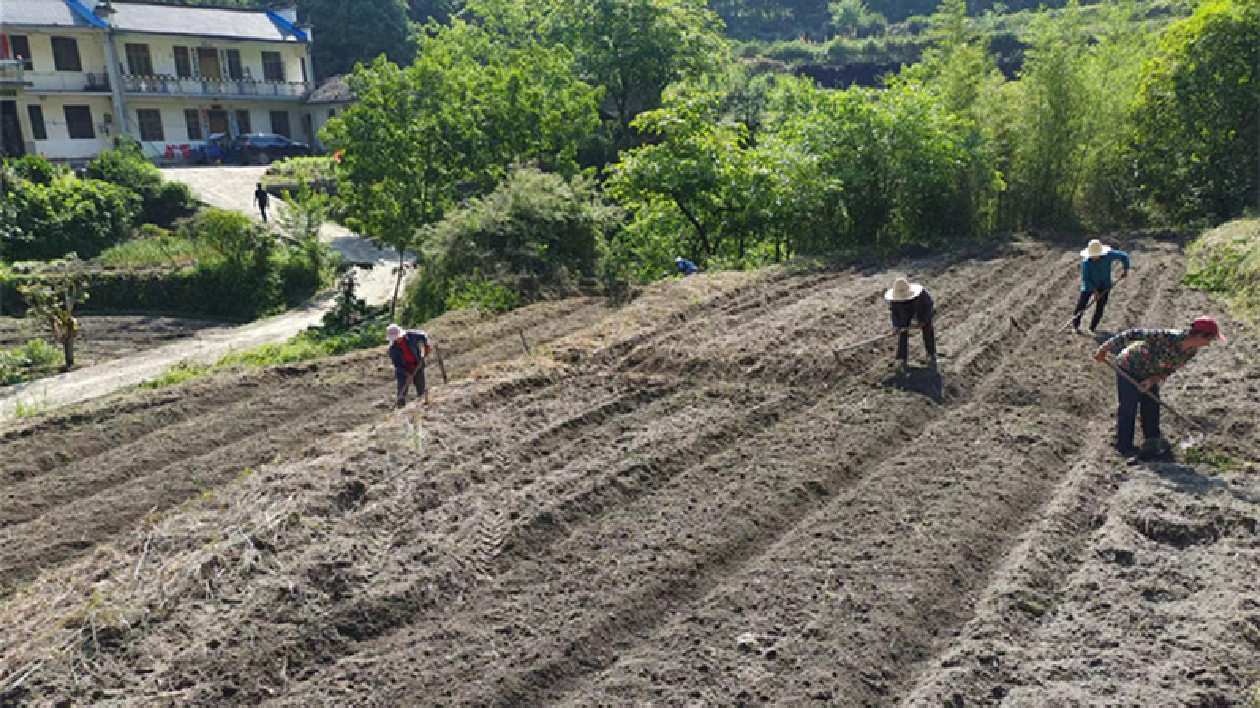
<point>262,209</point>
<point>1099,305</point>
<point>1132,402</point>
<point>418,380</point>
<point>903,314</point>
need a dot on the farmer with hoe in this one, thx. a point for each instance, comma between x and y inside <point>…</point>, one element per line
<point>408,349</point>
<point>1096,262</point>
<point>907,302</point>
<point>1144,359</point>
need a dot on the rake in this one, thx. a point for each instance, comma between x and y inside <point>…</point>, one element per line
<point>1081,311</point>
<point>872,340</point>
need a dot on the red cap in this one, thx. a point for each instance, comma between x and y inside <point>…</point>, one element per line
<point>1208,326</point>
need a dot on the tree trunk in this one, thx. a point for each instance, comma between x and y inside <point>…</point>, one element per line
<point>393,304</point>
<point>67,345</point>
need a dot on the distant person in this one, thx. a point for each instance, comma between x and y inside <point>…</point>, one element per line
<point>261,198</point>
<point>1148,357</point>
<point>685,266</point>
<point>908,302</point>
<point>1096,262</point>
<point>408,348</point>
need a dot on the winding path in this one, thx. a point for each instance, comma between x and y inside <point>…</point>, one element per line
<point>226,188</point>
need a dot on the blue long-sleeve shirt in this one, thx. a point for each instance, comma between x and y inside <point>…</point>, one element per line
<point>1096,274</point>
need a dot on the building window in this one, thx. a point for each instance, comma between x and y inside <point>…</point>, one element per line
<point>20,48</point>
<point>234,64</point>
<point>273,66</point>
<point>66,54</point>
<point>302,63</point>
<point>192,118</point>
<point>242,122</point>
<point>280,123</point>
<point>139,63</point>
<point>332,112</point>
<point>183,64</point>
<point>150,120</point>
<point>36,114</point>
<point>79,123</point>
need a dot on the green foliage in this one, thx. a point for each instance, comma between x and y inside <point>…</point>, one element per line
<point>633,49</point>
<point>35,168</point>
<point>476,99</point>
<point>348,310</point>
<point>318,172</point>
<point>1226,260</point>
<point>126,166</point>
<point>234,236</point>
<point>19,364</point>
<point>535,232</point>
<point>310,344</point>
<point>1196,128</point>
<point>348,33</point>
<point>155,249</point>
<point>66,215</point>
<point>853,18</point>
<point>479,293</point>
<point>51,301</point>
<point>177,373</point>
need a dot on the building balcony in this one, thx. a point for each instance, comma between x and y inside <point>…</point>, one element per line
<point>68,81</point>
<point>165,85</point>
<point>12,73</point>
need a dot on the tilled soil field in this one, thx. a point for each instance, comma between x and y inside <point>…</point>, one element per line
<point>686,500</point>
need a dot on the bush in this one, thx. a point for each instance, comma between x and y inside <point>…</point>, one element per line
<point>126,166</point>
<point>35,168</point>
<point>534,232</point>
<point>155,250</point>
<point>64,216</point>
<point>170,202</point>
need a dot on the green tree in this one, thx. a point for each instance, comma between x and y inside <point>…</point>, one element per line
<point>52,298</point>
<point>423,137</point>
<point>635,48</point>
<point>1196,131</point>
<point>348,33</point>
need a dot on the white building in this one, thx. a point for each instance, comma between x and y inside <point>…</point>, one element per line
<point>73,75</point>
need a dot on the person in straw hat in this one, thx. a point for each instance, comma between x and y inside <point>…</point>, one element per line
<point>1096,262</point>
<point>908,302</point>
<point>1148,357</point>
<point>408,348</point>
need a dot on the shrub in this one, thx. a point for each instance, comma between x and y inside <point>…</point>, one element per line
<point>170,202</point>
<point>126,166</point>
<point>1226,260</point>
<point>64,216</point>
<point>35,168</point>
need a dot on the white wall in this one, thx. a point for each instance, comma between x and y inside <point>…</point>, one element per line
<point>59,146</point>
<point>162,53</point>
<point>44,75</point>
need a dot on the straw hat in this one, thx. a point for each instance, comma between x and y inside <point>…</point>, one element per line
<point>903,290</point>
<point>393,332</point>
<point>1095,249</point>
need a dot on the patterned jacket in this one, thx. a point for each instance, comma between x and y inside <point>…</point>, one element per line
<point>1143,353</point>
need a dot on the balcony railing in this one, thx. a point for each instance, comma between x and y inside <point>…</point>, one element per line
<point>219,88</point>
<point>12,72</point>
<point>69,81</point>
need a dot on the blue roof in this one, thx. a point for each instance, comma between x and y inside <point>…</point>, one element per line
<point>153,18</point>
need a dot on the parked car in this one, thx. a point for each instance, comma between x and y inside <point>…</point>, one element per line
<point>216,149</point>
<point>262,148</point>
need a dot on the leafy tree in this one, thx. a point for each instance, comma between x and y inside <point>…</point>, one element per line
<point>63,216</point>
<point>1196,129</point>
<point>348,33</point>
<point>51,301</point>
<point>425,136</point>
<point>635,48</point>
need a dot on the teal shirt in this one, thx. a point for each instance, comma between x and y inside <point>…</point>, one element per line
<point>1096,274</point>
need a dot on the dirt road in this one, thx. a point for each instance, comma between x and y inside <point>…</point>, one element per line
<point>687,500</point>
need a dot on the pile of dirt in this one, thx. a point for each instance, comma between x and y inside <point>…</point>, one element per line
<point>687,500</point>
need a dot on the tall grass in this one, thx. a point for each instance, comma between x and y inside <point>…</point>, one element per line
<point>1226,261</point>
<point>155,252</point>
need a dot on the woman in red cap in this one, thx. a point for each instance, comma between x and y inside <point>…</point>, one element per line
<point>1149,356</point>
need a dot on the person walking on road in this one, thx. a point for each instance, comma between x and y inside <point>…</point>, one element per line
<point>408,349</point>
<point>1096,262</point>
<point>908,302</point>
<point>685,266</point>
<point>1148,357</point>
<point>261,198</point>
